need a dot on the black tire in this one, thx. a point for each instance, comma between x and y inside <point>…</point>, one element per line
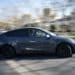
<point>8,51</point>
<point>64,50</point>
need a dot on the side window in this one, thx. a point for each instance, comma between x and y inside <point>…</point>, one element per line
<point>18,33</point>
<point>39,33</point>
<point>9,33</point>
<point>31,32</point>
<point>24,32</point>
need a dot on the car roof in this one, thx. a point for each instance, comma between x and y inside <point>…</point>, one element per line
<point>28,28</point>
<point>32,28</point>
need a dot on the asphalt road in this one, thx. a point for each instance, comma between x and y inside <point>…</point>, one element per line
<point>37,65</point>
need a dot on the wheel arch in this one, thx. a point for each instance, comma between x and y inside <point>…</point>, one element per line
<point>61,44</point>
<point>7,45</point>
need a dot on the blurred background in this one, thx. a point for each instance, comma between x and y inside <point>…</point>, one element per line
<point>57,16</point>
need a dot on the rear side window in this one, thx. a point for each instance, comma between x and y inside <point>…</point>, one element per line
<point>20,33</point>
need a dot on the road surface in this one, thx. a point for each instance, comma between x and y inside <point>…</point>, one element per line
<point>37,65</point>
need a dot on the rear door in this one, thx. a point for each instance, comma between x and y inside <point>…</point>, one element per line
<point>18,38</point>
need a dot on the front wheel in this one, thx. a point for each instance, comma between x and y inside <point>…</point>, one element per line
<point>64,50</point>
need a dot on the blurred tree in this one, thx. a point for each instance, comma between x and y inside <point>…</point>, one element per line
<point>68,29</point>
<point>52,28</point>
<point>71,2</point>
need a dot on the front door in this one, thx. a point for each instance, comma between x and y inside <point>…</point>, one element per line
<point>40,41</point>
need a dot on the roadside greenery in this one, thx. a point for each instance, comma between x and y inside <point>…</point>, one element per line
<point>71,37</point>
<point>52,28</point>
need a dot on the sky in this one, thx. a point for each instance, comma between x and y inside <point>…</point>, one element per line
<point>34,7</point>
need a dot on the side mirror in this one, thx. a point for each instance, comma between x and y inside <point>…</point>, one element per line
<point>48,36</point>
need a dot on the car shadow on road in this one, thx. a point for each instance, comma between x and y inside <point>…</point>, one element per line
<point>31,57</point>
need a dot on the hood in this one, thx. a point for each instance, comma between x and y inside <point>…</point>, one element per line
<point>64,39</point>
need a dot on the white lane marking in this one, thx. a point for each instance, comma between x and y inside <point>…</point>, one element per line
<point>18,68</point>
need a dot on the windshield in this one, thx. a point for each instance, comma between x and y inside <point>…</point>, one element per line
<point>51,33</point>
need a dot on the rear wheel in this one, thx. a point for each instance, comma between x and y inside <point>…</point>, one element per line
<point>8,51</point>
<point>64,50</point>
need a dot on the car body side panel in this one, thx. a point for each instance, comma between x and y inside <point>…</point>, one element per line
<point>45,44</point>
<point>31,44</point>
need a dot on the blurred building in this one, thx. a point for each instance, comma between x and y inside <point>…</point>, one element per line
<point>65,24</point>
<point>72,21</point>
<point>25,19</point>
<point>20,21</point>
<point>62,24</point>
<point>4,25</point>
<point>47,16</point>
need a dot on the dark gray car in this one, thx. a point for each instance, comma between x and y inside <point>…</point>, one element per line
<point>36,40</point>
